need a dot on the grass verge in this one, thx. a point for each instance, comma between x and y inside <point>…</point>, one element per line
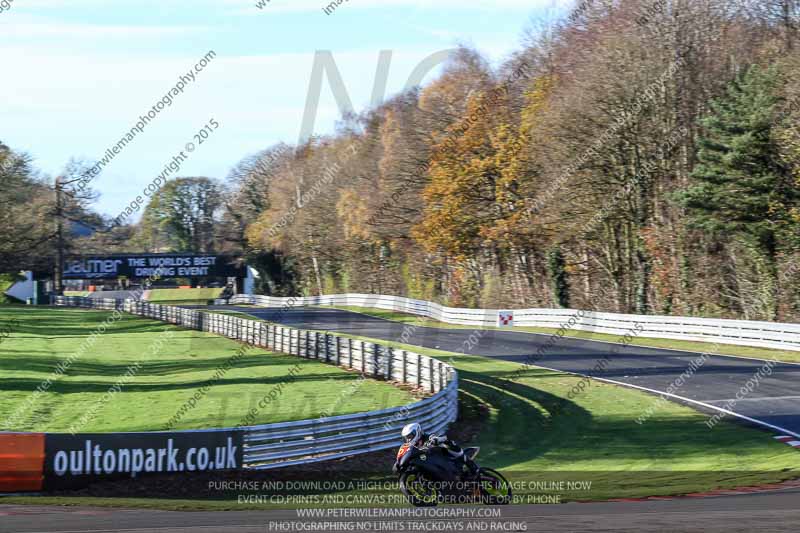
<point>179,362</point>
<point>184,296</point>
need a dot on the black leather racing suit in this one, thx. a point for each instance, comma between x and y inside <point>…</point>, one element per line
<point>442,441</point>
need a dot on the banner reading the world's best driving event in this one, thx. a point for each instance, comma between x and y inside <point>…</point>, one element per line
<point>151,265</point>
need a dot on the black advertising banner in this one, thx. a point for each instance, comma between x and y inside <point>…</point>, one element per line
<point>73,461</point>
<point>149,265</point>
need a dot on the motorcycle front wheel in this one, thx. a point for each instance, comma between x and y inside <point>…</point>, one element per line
<point>494,488</point>
<point>417,490</point>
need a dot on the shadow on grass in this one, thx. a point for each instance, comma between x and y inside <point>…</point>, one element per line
<point>526,424</point>
<point>518,417</point>
<point>48,322</point>
<point>84,386</point>
<point>22,361</point>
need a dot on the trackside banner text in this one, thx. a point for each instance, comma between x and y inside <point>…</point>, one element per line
<point>75,461</point>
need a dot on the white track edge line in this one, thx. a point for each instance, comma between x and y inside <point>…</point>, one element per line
<point>709,406</point>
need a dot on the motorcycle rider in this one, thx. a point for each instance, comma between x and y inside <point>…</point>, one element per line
<point>414,436</point>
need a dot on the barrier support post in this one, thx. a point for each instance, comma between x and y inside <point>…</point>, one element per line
<point>363,358</point>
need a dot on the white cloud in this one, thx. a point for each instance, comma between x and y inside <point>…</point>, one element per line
<point>461,5</point>
<point>317,5</point>
<point>92,31</point>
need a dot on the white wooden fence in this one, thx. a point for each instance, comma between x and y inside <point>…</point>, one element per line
<point>307,441</point>
<point>739,332</point>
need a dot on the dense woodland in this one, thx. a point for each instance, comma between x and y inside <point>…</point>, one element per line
<point>637,156</point>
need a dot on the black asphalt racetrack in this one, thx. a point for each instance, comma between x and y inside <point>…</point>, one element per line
<point>773,402</point>
<point>775,512</point>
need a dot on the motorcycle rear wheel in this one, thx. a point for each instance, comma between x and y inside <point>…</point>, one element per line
<point>494,488</point>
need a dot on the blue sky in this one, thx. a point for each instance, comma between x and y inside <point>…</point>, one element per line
<point>78,73</point>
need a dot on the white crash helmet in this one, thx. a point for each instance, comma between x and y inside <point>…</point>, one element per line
<point>412,433</point>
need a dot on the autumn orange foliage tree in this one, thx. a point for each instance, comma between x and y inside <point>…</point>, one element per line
<point>570,153</point>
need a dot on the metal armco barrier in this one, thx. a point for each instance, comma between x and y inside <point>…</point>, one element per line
<point>307,441</point>
<point>739,332</point>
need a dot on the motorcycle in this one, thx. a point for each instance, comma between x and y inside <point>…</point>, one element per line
<point>429,475</point>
